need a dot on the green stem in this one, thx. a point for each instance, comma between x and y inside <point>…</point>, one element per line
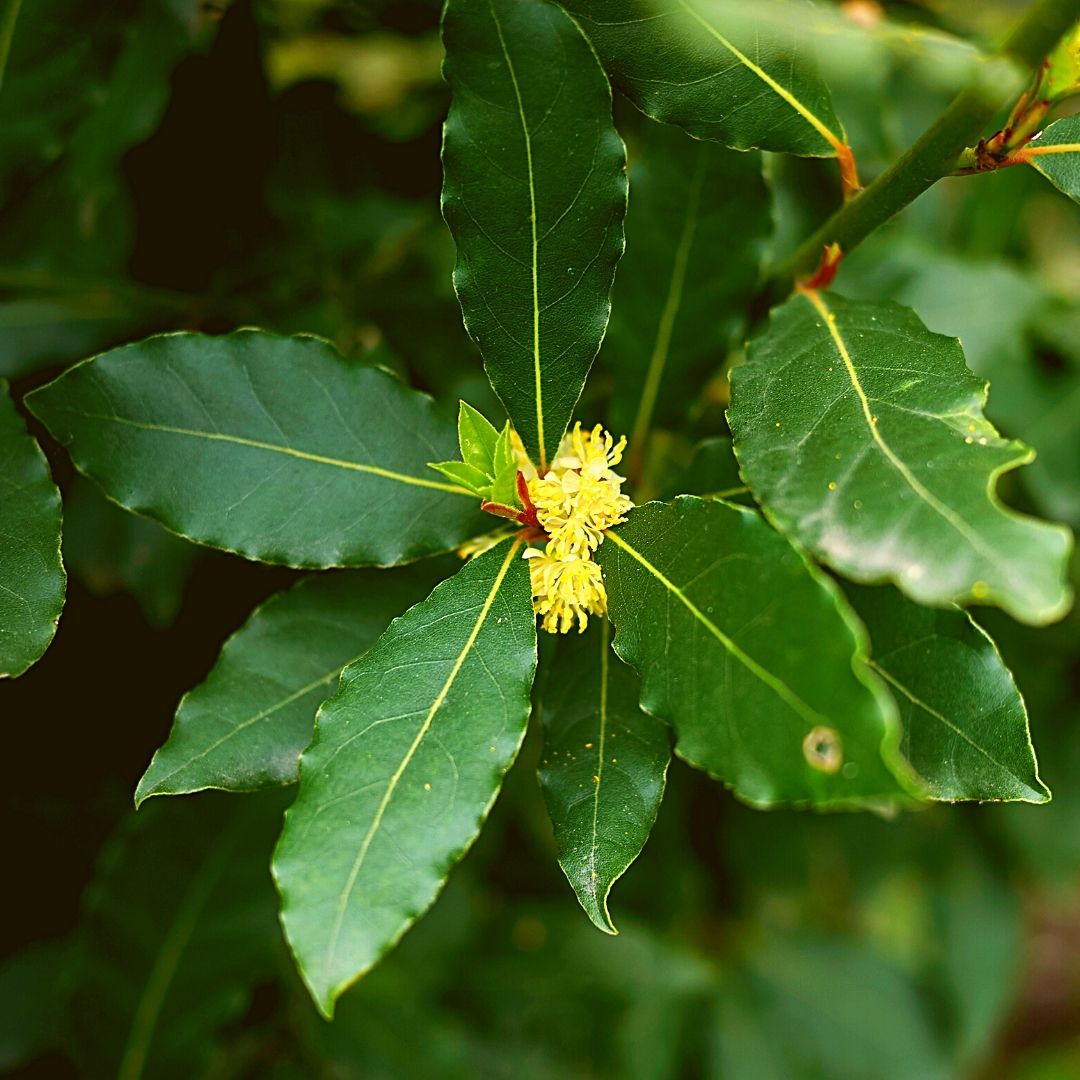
<point>7,32</point>
<point>936,154</point>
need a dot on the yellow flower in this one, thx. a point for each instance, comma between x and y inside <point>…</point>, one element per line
<point>576,500</point>
<point>565,590</point>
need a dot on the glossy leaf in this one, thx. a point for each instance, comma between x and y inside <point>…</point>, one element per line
<point>246,725</point>
<point>1055,152</point>
<point>406,762</point>
<point>862,436</point>
<point>32,577</point>
<point>690,271</point>
<point>603,769</point>
<point>276,448</point>
<point>177,932</point>
<point>534,193</point>
<point>751,656</point>
<point>739,74</point>
<point>965,728</point>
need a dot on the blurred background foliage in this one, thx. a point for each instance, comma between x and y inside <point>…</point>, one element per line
<point>200,164</point>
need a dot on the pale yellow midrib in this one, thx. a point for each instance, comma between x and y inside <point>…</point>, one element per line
<point>1034,150</point>
<point>818,125</point>
<point>535,241</point>
<point>369,836</point>
<point>666,326</point>
<point>600,740</point>
<point>778,686</point>
<point>916,485</point>
<point>289,451</point>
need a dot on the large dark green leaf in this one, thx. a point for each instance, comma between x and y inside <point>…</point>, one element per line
<point>965,728</point>
<point>863,437</point>
<point>603,768</point>
<point>739,74</point>
<point>31,574</point>
<point>535,194</point>
<point>690,270</point>
<point>751,655</point>
<point>276,448</point>
<point>406,762</point>
<point>177,932</point>
<point>245,726</point>
<point>1056,154</point>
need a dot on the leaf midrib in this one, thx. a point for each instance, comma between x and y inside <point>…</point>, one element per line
<point>289,451</point>
<point>535,244</point>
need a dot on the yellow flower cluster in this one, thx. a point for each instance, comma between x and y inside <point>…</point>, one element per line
<point>575,500</point>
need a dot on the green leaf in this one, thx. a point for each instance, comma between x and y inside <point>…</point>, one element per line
<point>177,931</point>
<point>690,271</point>
<point>477,439</point>
<point>739,74</point>
<point>1055,152</point>
<point>534,194</point>
<point>245,726</point>
<point>406,762</point>
<point>751,655</point>
<point>504,466</point>
<point>604,766</point>
<point>272,447</point>
<point>862,436</point>
<point>965,728</point>
<point>32,579</point>
<point>465,475</point>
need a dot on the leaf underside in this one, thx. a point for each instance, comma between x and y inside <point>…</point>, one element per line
<point>407,759</point>
<point>275,448</point>
<point>862,436</point>
<point>751,655</point>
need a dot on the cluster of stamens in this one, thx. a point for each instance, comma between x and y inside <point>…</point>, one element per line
<point>573,502</point>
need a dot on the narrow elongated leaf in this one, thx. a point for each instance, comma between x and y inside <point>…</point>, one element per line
<point>177,931</point>
<point>276,448</point>
<point>31,574</point>
<point>1056,154</point>
<point>535,194</point>
<point>751,655</point>
<point>690,270</point>
<point>406,762</point>
<point>862,435</point>
<point>965,728</point>
<point>603,769</point>
<point>246,725</point>
<point>739,74</point>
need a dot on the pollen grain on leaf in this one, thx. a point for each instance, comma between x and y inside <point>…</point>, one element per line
<point>575,501</point>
